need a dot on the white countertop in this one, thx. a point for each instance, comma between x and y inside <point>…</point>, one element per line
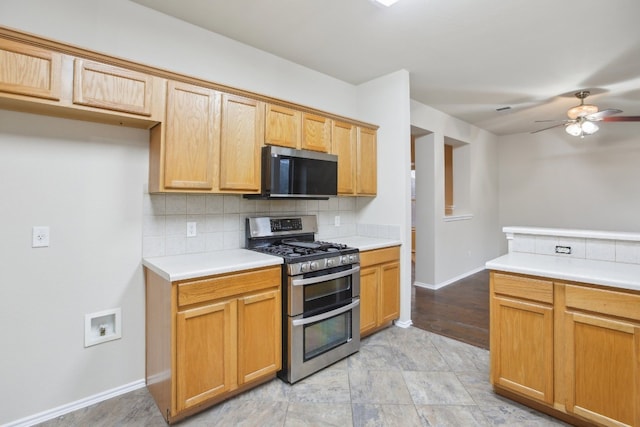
<point>366,243</point>
<point>614,274</point>
<point>189,266</point>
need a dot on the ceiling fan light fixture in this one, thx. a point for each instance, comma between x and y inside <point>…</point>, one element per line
<point>589,128</point>
<point>581,111</point>
<point>573,129</point>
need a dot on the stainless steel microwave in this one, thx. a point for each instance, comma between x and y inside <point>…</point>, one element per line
<point>297,174</point>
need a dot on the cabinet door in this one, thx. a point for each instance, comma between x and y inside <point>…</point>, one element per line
<point>282,126</point>
<point>369,278</point>
<point>242,134</point>
<point>205,353</point>
<point>316,133</point>
<point>603,369</point>
<point>190,136</point>
<point>367,170</point>
<point>389,293</point>
<point>522,347</point>
<point>259,335</point>
<point>343,144</point>
<point>113,88</point>
<point>29,70</point>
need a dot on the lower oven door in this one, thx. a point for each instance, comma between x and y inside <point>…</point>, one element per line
<point>320,340</point>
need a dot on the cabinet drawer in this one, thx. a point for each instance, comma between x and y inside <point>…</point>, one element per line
<point>620,304</point>
<point>113,88</point>
<point>379,256</point>
<point>29,70</point>
<point>523,287</point>
<point>216,287</point>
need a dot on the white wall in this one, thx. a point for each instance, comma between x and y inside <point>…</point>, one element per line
<point>551,179</point>
<point>85,182</point>
<point>87,185</point>
<point>385,101</point>
<point>459,247</point>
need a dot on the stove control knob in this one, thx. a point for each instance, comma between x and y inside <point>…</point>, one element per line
<point>314,265</point>
<point>344,259</point>
<point>352,258</point>
<point>330,262</point>
<point>304,267</point>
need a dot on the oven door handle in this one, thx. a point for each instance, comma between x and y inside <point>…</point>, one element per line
<point>326,315</point>
<point>325,278</point>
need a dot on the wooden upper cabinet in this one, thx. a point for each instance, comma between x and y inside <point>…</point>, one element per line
<point>343,145</point>
<point>367,170</point>
<point>28,70</point>
<point>113,88</point>
<point>191,134</point>
<point>316,133</point>
<point>282,126</point>
<point>241,138</point>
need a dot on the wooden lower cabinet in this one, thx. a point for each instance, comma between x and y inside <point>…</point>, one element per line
<point>602,365</point>
<point>379,288</point>
<point>569,349</point>
<point>522,336</point>
<point>205,353</point>
<point>210,338</point>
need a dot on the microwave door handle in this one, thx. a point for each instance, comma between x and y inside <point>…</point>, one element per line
<point>326,315</point>
<point>319,279</point>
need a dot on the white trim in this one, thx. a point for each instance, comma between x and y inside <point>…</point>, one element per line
<point>448,282</point>
<point>74,406</point>
<point>461,217</point>
<point>568,232</point>
<point>403,323</point>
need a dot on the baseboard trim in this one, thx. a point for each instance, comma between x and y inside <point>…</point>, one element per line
<point>448,282</point>
<point>74,406</point>
<point>403,323</point>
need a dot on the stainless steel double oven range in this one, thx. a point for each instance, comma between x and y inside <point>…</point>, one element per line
<point>320,293</point>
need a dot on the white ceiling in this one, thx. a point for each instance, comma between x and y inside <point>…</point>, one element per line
<point>465,57</point>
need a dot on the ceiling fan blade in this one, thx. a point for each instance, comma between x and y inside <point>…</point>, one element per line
<point>622,119</point>
<point>550,127</point>
<point>600,115</point>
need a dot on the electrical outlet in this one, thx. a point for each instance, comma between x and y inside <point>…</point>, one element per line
<point>336,220</point>
<point>40,237</point>
<point>191,229</point>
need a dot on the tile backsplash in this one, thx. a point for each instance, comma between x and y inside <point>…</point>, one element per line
<point>599,249</point>
<point>220,221</point>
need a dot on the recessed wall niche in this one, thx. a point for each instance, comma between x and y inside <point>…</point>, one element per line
<point>457,177</point>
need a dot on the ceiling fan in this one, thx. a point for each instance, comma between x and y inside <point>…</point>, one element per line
<point>582,118</point>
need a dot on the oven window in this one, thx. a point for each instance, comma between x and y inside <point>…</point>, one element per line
<point>327,334</point>
<point>321,295</point>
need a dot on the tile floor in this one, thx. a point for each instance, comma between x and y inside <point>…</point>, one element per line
<point>400,377</point>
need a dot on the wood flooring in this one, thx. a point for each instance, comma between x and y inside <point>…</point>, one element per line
<point>459,310</point>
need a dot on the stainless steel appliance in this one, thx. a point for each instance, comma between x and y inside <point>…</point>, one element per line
<point>297,174</point>
<point>321,293</point>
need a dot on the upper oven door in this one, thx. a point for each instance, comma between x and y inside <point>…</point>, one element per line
<point>323,290</point>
